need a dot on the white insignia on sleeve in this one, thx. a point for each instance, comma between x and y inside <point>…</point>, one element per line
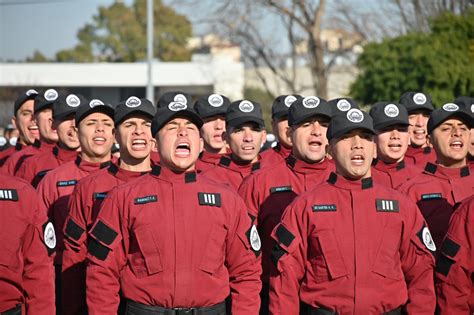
<point>255,239</point>
<point>428,240</point>
<point>50,236</point>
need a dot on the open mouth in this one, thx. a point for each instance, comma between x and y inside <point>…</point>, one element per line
<point>99,140</point>
<point>315,145</point>
<point>183,149</point>
<point>457,145</point>
<point>419,133</point>
<point>139,144</point>
<point>358,159</point>
<point>33,129</point>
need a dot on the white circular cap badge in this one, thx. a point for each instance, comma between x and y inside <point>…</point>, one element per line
<point>343,105</point>
<point>311,102</point>
<point>49,236</point>
<point>289,100</point>
<point>246,106</point>
<point>472,108</point>
<point>72,100</point>
<point>51,95</point>
<point>95,102</point>
<point>133,101</point>
<point>355,115</point>
<point>215,100</point>
<point>391,110</point>
<point>255,239</point>
<point>450,107</point>
<point>177,106</point>
<point>180,98</point>
<point>31,92</point>
<point>419,98</point>
<point>428,240</point>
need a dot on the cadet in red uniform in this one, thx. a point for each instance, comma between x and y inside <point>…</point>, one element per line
<point>94,121</point>
<point>449,181</point>
<point>64,109</point>
<point>280,128</point>
<point>212,109</point>
<point>28,240</point>
<point>269,191</point>
<point>43,112</point>
<point>455,264</point>
<point>245,135</point>
<point>350,246</point>
<point>133,133</point>
<point>23,120</point>
<point>468,104</point>
<point>419,107</point>
<point>174,242</point>
<point>391,128</point>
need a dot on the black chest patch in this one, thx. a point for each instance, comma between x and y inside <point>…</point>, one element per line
<point>100,195</point>
<point>8,194</point>
<point>324,208</point>
<point>209,199</point>
<point>145,199</point>
<point>431,196</point>
<point>280,189</point>
<point>65,183</point>
<point>387,205</point>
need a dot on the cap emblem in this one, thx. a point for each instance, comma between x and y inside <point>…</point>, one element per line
<point>133,101</point>
<point>289,100</point>
<point>391,110</point>
<point>31,92</point>
<point>311,102</point>
<point>177,106</point>
<point>355,115</point>
<point>450,107</point>
<point>72,100</point>
<point>343,105</point>
<point>51,95</point>
<point>246,106</point>
<point>419,98</point>
<point>95,102</point>
<point>180,98</point>
<point>215,100</point>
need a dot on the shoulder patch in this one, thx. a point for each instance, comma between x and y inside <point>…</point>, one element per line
<point>100,195</point>
<point>8,194</point>
<point>209,199</point>
<point>387,205</point>
<point>280,189</point>
<point>145,199</point>
<point>431,196</point>
<point>42,173</point>
<point>425,237</point>
<point>49,237</point>
<point>324,208</point>
<point>254,239</point>
<point>64,183</point>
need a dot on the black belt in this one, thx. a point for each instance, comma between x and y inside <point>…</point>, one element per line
<point>14,311</point>
<point>134,308</point>
<point>306,309</point>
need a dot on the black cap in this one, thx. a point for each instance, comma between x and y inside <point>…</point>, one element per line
<point>175,96</point>
<point>174,109</point>
<point>415,101</point>
<point>243,111</point>
<point>447,111</point>
<point>342,105</point>
<point>66,105</point>
<point>94,106</point>
<point>385,114</point>
<point>465,102</point>
<point>45,99</point>
<point>282,104</point>
<point>133,104</point>
<point>24,96</point>
<point>304,108</point>
<point>354,119</point>
<point>211,105</point>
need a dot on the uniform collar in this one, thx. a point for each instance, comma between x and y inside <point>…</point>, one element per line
<point>388,167</point>
<point>445,172</point>
<point>89,166</point>
<point>341,182</point>
<point>64,154</point>
<point>283,151</point>
<point>210,157</point>
<point>226,161</point>
<point>37,144</point>
<point>172,176</point>
<point>18,146</point>
<point>411,151</point>
<point>122,173</point>
<point>301,166</point>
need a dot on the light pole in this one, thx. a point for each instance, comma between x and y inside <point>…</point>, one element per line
<point>150,89</point>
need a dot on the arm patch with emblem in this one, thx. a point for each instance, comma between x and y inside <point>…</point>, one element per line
<point>254,239</point>
<point>425,237</point>
<point>49,237</point>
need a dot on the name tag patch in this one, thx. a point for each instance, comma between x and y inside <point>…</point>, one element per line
<point>280,189</point>
<point>146,199</point>
<point>324,208</point>
<point>100,195</point>
<point>209,199</point>
<point>386,205</point>
<point>8,194</point>
<point>431,196</point>
<point>64,183</point>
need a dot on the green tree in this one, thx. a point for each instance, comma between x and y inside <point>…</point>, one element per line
<point>118,34</point>
<point>37,57</point>
<point>439,63</point>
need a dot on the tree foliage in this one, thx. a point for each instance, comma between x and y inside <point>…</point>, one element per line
<point>439,63</point>
<point>118,34</point>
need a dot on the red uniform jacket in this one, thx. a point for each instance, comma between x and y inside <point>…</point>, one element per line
<point>56,189</point>
<point>353,247</point>
<point>12,165</point>
<point>5,154</point>
<point>173,240</point>
<point>394,174</point>
<point>26,270</point>
<point>420,156</point>
<point>84,206</point>
<point>269,191</point>
<point>155,158</point>
<point>230,173</point>
<point>33,170</point>
<point>455,265</point>
<point>275,155</point>
<point>436,191</point>
<point>207,160</point>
